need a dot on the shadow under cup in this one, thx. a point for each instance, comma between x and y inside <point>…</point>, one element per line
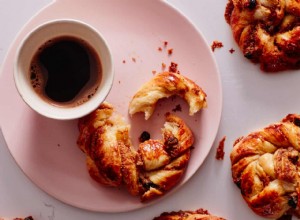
<point>59,31</point>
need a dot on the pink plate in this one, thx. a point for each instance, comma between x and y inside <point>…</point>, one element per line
<point>46,149</point>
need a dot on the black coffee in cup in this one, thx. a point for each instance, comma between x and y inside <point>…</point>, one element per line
<point>65,71</point>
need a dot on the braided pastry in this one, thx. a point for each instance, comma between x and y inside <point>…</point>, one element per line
<point>152,170</point>
<point>265,167</point>
<point>199,214</point>
<point>164,85</point>
<point>164,161</point>
<point>102,134</point>
<point>267,31</point>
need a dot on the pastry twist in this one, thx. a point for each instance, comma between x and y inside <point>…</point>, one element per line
<point>164,161</point>
<point>152,170</point>
<point>267,31</point>
<point>265,167</point>
<point>103,136</point>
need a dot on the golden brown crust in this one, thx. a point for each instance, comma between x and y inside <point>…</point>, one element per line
<point>177,135</point>
<point>130,172</point>
<point>165,161</point>
<point>199,214</point>
<point>265,167</point>
<point>164,85</point>
<point>101,133</point>
<point>267,31</point>
<point>157,182</point>
<point>154,169</point>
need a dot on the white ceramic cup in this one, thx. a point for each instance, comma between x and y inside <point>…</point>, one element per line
<point>28,48</point>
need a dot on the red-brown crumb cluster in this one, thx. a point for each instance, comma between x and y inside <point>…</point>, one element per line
<point>220,150</point>
<point>170,51</point>
<point>216,44</point>
<point>173,68</point>
<point>165,47</point>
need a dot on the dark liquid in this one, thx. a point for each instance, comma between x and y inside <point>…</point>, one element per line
<point>66,70</point>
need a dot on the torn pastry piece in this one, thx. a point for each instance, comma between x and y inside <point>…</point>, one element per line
<point>200,214</point>
<point>265,166</point>
<point>157,182</point>
<point>130,169</point>
<point>103,134</point>
<point>267,31</point>
<point>164,85</point>
<point>165,161</point>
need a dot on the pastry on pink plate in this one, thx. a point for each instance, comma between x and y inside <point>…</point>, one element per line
<point>149,171</point>
<point>165,85</point>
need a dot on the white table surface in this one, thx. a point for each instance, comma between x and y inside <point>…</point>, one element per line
<point>251,100</point>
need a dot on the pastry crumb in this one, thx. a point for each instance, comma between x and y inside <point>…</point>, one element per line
<point>231,50</point>
<point>216,44</point>
<point>173,67</point>
<point>220,150</point>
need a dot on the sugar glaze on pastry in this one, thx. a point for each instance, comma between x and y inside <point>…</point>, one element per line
<point>164,85</point>
<point>267,31</point>
<point>265,166</point>
<point>153,169</point>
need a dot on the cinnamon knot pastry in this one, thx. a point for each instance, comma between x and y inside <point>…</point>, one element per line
<point>164,161</point>
<point>199,214</point>
<point>104,137</point>
<point>267,31</point>
<point>265,167</point>
<point>151,170</point>
<point>164,85</point>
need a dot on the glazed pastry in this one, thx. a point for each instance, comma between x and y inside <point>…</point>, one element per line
<point>152,170</point>
<point>267,31</point>
<point>265,167</point>
<point>164,85</point>
<point>130,169</point>
<point>165,161</point>
<point>102,134</point>
<point>199,214</point>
